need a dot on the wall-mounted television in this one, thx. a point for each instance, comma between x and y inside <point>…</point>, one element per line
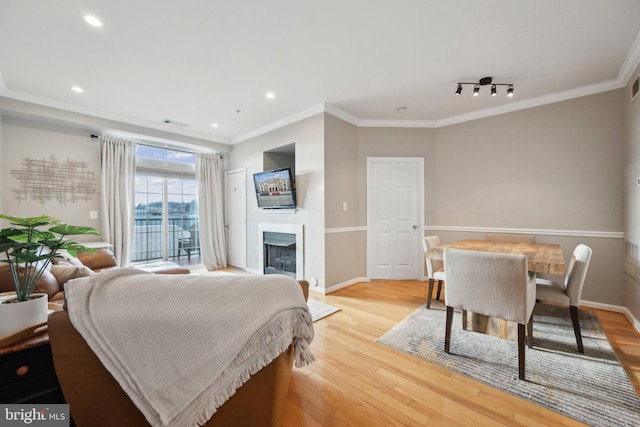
<point>275,189</point>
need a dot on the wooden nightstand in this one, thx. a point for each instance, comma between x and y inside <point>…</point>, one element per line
<point>27,374</point>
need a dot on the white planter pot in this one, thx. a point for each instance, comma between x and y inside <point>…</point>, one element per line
<point>16,317</point>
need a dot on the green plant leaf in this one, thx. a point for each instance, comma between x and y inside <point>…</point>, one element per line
<point>74,247</point>
<point>66,229</point>
<point>29,250</point>
<point>30,222</point>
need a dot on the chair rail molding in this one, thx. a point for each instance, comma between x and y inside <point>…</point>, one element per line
<point>536,231</point>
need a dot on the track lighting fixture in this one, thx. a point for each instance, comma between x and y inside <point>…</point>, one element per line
<point>483,82</point>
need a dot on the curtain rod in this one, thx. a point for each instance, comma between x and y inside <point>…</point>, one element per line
<point>221,155</point>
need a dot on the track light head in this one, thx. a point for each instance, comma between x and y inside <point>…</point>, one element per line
<point>476,90</point>
<point>459,90</point>
<point>493,90</point>
<point>510,91</point>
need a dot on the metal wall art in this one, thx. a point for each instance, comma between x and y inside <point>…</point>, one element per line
<point>49,179</point>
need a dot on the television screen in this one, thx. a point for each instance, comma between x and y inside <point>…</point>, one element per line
<point>274,189</point>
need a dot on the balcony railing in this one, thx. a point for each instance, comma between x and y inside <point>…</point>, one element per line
<point>148,238</point>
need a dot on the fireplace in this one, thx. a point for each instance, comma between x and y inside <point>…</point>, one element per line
<point>280,249</point>
<point>279,253</point>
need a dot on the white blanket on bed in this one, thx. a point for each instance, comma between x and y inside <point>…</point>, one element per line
<point>180,345</point>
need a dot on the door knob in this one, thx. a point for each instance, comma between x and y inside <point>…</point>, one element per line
<point>415,226</point>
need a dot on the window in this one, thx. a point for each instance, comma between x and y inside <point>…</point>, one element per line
<point>166,206</point>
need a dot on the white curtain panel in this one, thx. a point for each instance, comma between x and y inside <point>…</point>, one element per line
<point>211,211</point>
<point>118,168</point>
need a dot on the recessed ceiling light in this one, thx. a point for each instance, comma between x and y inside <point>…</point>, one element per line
<point>93,21</point>
<point>77,89</point>
<point>270,95</point>
<point>401,109</point>
<point>214,125</point>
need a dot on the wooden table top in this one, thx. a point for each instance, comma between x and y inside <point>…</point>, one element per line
<point>543,258</point>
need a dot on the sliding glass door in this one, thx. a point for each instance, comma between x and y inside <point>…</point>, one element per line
<point>166,213</point>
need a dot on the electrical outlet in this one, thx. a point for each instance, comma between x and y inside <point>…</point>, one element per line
<point>93,214</point>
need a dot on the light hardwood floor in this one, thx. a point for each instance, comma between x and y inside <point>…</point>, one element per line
<point>358,382</point>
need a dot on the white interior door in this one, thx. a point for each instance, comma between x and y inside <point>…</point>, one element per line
<point>236,204</point>
<point>394,217</point>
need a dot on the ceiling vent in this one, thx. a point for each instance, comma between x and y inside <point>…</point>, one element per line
<point>174,123</point>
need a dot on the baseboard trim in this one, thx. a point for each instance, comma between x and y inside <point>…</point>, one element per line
<point>338,286</point>
<point>614,308</point>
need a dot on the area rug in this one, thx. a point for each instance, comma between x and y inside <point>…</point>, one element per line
<point>320,310</point>
<point>591,387</point>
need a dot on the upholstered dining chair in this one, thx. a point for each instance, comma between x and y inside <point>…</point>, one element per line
<point>493,284</point>
<point>569,291</point>
<point>507,237</point>
<point>435,267</point>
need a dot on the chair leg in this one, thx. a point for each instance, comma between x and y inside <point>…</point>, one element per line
<point>464,320</point>
<point>521,347</point>
<point>530,332</point>
<point>439,289</point>
<point>447,329</point>
<point>429,293</point>
<point>576,327</point>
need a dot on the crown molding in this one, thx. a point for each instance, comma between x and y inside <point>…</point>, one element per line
<point>370,123</point>
<point>309,112</point>
<point>630,64</point>
<point>336,112</point>
<point>533,102</point>
<point>46,102</point>
<point>625,74</point>
<point>481,114</point>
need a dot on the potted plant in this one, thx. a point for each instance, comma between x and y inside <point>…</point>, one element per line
<point>28,249</point>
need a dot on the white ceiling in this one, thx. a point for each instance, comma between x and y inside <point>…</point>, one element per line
<point>204,61</point>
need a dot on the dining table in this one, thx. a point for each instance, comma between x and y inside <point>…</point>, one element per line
<point>541,257</point>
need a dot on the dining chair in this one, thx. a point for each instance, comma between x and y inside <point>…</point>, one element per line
<point>569,291</point>
<point>493,284</point>
<point>507,237</point>
<point>435,267</point>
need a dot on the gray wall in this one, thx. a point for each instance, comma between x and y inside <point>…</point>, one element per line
<point>308,136</point>
<point>553,170</point>
<point>552,167</point>
<point>345,250</point>
<point>632,190</point>
<point>39,141</point>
